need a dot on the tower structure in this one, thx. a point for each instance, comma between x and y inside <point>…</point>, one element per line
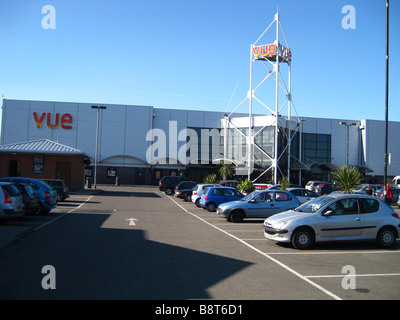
<point>270,88</point>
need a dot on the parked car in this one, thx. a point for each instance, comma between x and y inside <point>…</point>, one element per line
<point>395,192</point>
<point>46,194</point>
<point>29,196</point>
<point>362,188</point>
<point>320,187</point>
<point>258,204</point>
<point>168,183</point>
<point>261,186</point>
<point>198,192</point>
<point>212,197</point>
<point>228,183</point>
<point>303,194</point>
<point>60,187</point>
<point>184,188</point>
<point>335,217</point>
<point>11,202</point>
<point>278,186</point>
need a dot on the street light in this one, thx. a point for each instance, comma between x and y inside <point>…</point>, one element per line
<point>347,138</point>
<point>97,143</point>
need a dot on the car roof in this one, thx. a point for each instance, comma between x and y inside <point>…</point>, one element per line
<point>5,182</point>
<point>222,187</point>
<point>350,195</point>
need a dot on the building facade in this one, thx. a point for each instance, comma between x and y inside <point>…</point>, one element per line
<point>141,144</point>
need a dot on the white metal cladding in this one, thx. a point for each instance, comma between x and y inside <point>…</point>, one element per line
<point>124,128</point>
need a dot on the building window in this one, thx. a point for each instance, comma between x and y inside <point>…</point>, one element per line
<point>38,164</point>
<point>316,147</point>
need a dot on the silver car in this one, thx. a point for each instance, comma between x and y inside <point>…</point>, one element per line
<point>11,201</point>
<point>335,217</point>
<point>258,204</point>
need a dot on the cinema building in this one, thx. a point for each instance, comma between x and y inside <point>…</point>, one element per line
<point>141,144</point>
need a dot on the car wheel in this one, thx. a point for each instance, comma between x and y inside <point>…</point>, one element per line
<point>169,191</point>
<point>211,206</point>
<point>197,203</point>
<point>236,216</point>
<point>386,237</point>
<point>303,238</point>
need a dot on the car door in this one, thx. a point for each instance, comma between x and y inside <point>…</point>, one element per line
<point>218,196</point>
<point>263,205</point>
<point>283,201</point>
<point>344,220</point>
<point>230,195</point>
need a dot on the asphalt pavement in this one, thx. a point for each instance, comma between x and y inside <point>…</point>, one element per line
<point>137,243</point>
<point>14,229</point>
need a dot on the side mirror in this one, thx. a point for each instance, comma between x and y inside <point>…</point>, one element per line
<point>252,200</point>
<point>327,213</point>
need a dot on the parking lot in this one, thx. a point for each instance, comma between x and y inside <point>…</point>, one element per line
<point>377,271</point>
<point>328,271</point>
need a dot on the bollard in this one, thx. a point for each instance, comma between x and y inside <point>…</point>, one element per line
<point>117,181</point>
<point>88,183</point>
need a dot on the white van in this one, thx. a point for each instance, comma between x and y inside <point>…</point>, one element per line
<point>396,181</point>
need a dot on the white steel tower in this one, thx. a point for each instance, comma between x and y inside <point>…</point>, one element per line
<point>270,87</point>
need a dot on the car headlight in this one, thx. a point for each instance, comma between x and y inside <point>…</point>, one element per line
<point>281,224</point>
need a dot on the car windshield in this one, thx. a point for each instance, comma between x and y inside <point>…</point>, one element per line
<point>314,205</point>
<point>250,196</point>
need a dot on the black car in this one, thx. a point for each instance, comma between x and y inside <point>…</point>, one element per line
<point>30,198</point>
<point>60,187</point>
<point>184,189</point>
<point>168,184</point>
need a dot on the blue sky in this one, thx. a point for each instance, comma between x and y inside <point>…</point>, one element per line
<point>187,54</point>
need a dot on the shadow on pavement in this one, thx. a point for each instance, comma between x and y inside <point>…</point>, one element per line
<point>102,263</point>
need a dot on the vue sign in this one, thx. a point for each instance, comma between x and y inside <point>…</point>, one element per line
<point>66,120</point>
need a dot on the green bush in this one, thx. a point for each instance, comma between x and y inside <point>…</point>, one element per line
<point>246,186</point>
<point>210,178</point>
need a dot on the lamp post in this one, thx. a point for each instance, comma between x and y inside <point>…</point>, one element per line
<point>97,143</point>
<point>386,99</point>
<point>347,138</point>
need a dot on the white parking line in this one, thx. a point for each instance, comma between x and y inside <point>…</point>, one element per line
<point>356,275</point>
<point>333,252</point>
<point>70,211</point>
<point>262,253</point>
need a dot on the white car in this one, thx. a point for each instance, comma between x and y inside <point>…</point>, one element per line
<point>335,217</point>
<point>196,194</point>
<point>303,194</point>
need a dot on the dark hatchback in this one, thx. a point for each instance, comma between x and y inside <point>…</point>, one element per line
<point>29,196</point>
<point>60,187</point>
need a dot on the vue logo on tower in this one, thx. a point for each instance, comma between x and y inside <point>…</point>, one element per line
<point>66,120</point>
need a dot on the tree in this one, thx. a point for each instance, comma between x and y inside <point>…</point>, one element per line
<point>347,178</point>
<point>226,170</point>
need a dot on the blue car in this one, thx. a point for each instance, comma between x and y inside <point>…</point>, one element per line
<point>258,204</point>
<point>212,197</point>
<point>46,194</point>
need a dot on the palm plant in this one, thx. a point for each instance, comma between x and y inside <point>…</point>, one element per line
<point>284,182</point>
<point>226,170</point>
<point>347,178</point>
<point>210,178</point>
